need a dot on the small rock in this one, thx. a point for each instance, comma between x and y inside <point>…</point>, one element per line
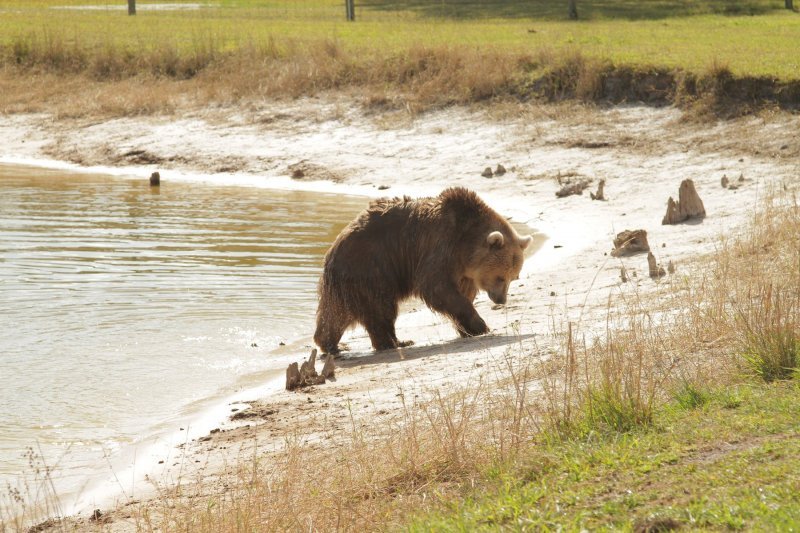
<point>383,187</point>
<point>671,267</point>
<point>500,170</point>
<point>552,293</point>
<point>155,179</point>
<point>487,172</point>
<point>96,515</point>
<point>741,178</point>
<point>298,174</point>
<point>724,181</point>
<point>630,242</point>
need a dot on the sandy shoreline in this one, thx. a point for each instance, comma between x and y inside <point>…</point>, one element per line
<point>642,153</point>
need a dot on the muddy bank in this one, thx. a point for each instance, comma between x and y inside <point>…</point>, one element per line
<point>718,92</point>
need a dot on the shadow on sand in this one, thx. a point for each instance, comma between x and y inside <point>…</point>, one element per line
<point>455,346</point>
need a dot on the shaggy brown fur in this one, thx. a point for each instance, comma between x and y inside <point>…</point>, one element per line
<point>441,249</point>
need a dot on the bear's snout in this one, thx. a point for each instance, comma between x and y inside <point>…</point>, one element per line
<point>498,297</point>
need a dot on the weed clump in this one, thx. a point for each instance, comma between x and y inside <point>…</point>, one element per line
<point>772,355</point>
<point>690,396</point>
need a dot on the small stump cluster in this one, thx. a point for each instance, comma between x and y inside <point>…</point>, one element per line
<point>305,375</point>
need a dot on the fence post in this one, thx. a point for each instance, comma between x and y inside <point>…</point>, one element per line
<point>131,7</point>
<point>350,7</point>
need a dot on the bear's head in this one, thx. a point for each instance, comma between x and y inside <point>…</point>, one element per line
<point>497,262</point>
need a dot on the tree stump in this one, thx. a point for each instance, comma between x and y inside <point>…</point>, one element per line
<point>689,205</point>
<point>328,369</point>
<point>306,375</point>
<point>655,270</point>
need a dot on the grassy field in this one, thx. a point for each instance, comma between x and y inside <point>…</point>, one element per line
<point>726,459</point>
<point>433,54</point>
<point>748,37</point>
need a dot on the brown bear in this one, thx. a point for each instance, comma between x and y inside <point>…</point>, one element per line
<point>442,250</point>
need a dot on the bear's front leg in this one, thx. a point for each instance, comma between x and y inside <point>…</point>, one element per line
<point>447,299</point>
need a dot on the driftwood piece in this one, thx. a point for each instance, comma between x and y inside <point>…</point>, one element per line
<point>599,195</point>
<point>655,270</point>
<point>570,187</point>
<point>630,242</point>
<point>689,205</point>
<point>304,376</point>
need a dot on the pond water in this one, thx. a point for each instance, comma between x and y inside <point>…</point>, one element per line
<point>122,305</point>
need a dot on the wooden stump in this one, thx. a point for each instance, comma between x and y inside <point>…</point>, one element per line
<point>599,195</point>
<point>655,270</point>
<point>306,374</point>
<point>689,205</point>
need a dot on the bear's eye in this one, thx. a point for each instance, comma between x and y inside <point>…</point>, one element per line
<point>500,280</point>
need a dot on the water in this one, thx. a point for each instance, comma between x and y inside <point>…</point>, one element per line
<point>122,305</point>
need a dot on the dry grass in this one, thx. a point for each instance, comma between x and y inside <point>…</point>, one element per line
<point>53,74</point>
<point>656,348</point>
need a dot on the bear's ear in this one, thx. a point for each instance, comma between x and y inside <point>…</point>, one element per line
<point>495,240</point>
<point>525,241</point>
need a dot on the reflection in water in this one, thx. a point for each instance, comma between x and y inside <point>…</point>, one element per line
<point>121,304</point>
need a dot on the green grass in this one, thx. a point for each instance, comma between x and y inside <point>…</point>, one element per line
<point>732,462</point>
<point>750,37</point>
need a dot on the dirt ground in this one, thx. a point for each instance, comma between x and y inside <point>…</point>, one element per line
<point>324,144</point>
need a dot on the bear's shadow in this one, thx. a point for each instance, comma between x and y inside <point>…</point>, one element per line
<point>458,345</point>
